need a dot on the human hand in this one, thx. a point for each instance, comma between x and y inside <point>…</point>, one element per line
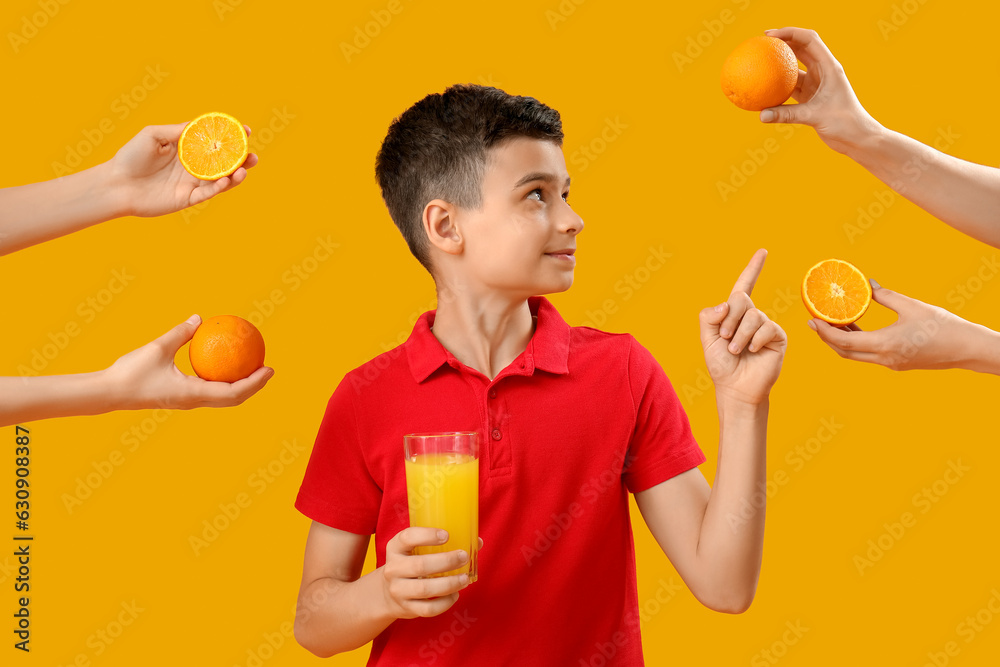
<point>151,180</point>
<point>924,336</point>
<point>148,378</point>
<point>743,348</point>
<point>406,595</point>
<point>825,98</point>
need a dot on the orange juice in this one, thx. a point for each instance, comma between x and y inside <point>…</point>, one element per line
<point>443,492</point>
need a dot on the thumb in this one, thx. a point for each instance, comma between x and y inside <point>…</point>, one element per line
<point>786,113</point>
<point>180,334</point>
<point>894,301</point>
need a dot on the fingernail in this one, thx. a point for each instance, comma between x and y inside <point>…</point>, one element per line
<point>766,116</point>
<point>270,373</point>
<point>874,284</point>
<point>442,535</point>
<point>733,348</point>
<point>720,307</point>
<point>724,332</point>
<point>462,556</point>
<point>812,325</point>
<point>194,319</point>
<point>463,579</point>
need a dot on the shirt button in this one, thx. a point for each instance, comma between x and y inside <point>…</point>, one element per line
<point>493,393</point>
<point>496,434</point>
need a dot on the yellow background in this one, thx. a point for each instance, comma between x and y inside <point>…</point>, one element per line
<point>280,66</point>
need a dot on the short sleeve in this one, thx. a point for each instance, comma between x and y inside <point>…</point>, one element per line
<point>662,444</point>
<point>338,489</point>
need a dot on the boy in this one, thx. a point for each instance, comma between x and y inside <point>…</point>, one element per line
<point>570,419</point>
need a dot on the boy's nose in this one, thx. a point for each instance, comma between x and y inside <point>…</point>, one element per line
<point>572,223</point>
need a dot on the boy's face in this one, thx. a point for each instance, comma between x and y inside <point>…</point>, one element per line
<point>511,243</point>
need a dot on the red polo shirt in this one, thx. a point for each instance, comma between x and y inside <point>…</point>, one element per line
<point>578,420</point>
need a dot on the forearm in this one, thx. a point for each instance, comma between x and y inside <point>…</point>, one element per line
<point>335,616</point>
<point>37,212</point>
<point>731,541</point>
<point>962,194</point>
<point>24,399</point>
<point>980,349</point>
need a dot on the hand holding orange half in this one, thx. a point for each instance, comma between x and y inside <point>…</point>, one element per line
<point>149,179</point>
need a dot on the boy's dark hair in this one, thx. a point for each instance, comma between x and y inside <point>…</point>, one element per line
<point>437,149</point>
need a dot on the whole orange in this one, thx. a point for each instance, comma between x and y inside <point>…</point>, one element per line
<point>760,73</point>
<point>226,348</point>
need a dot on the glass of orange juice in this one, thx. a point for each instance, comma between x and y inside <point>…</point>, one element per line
<point>442,491</point>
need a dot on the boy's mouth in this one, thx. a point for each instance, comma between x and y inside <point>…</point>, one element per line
<point>565,254</point>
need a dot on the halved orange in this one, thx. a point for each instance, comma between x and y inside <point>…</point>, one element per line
<point>212,145</point>
<point>836,292</point>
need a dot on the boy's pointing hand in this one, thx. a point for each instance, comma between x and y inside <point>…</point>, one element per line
<point>743,348</point>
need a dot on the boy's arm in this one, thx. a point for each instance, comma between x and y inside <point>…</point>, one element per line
<point>144,178</point>
<point>962,194</point>
<point>706,533</point>
<point>340,610</point>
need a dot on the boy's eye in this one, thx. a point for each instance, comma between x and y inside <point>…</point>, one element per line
<point>539,191</point>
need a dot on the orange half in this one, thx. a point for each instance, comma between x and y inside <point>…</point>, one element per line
<point>212,145</point>
<point>836,292</point>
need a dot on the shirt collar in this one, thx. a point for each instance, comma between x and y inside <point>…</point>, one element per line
<point>548,349</point>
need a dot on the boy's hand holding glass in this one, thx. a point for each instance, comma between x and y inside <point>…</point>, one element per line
<point>410,588</point>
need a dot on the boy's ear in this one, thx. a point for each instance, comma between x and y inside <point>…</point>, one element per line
<point>441,226</point>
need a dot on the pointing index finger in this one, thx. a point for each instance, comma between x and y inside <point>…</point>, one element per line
<point>748,278</point>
